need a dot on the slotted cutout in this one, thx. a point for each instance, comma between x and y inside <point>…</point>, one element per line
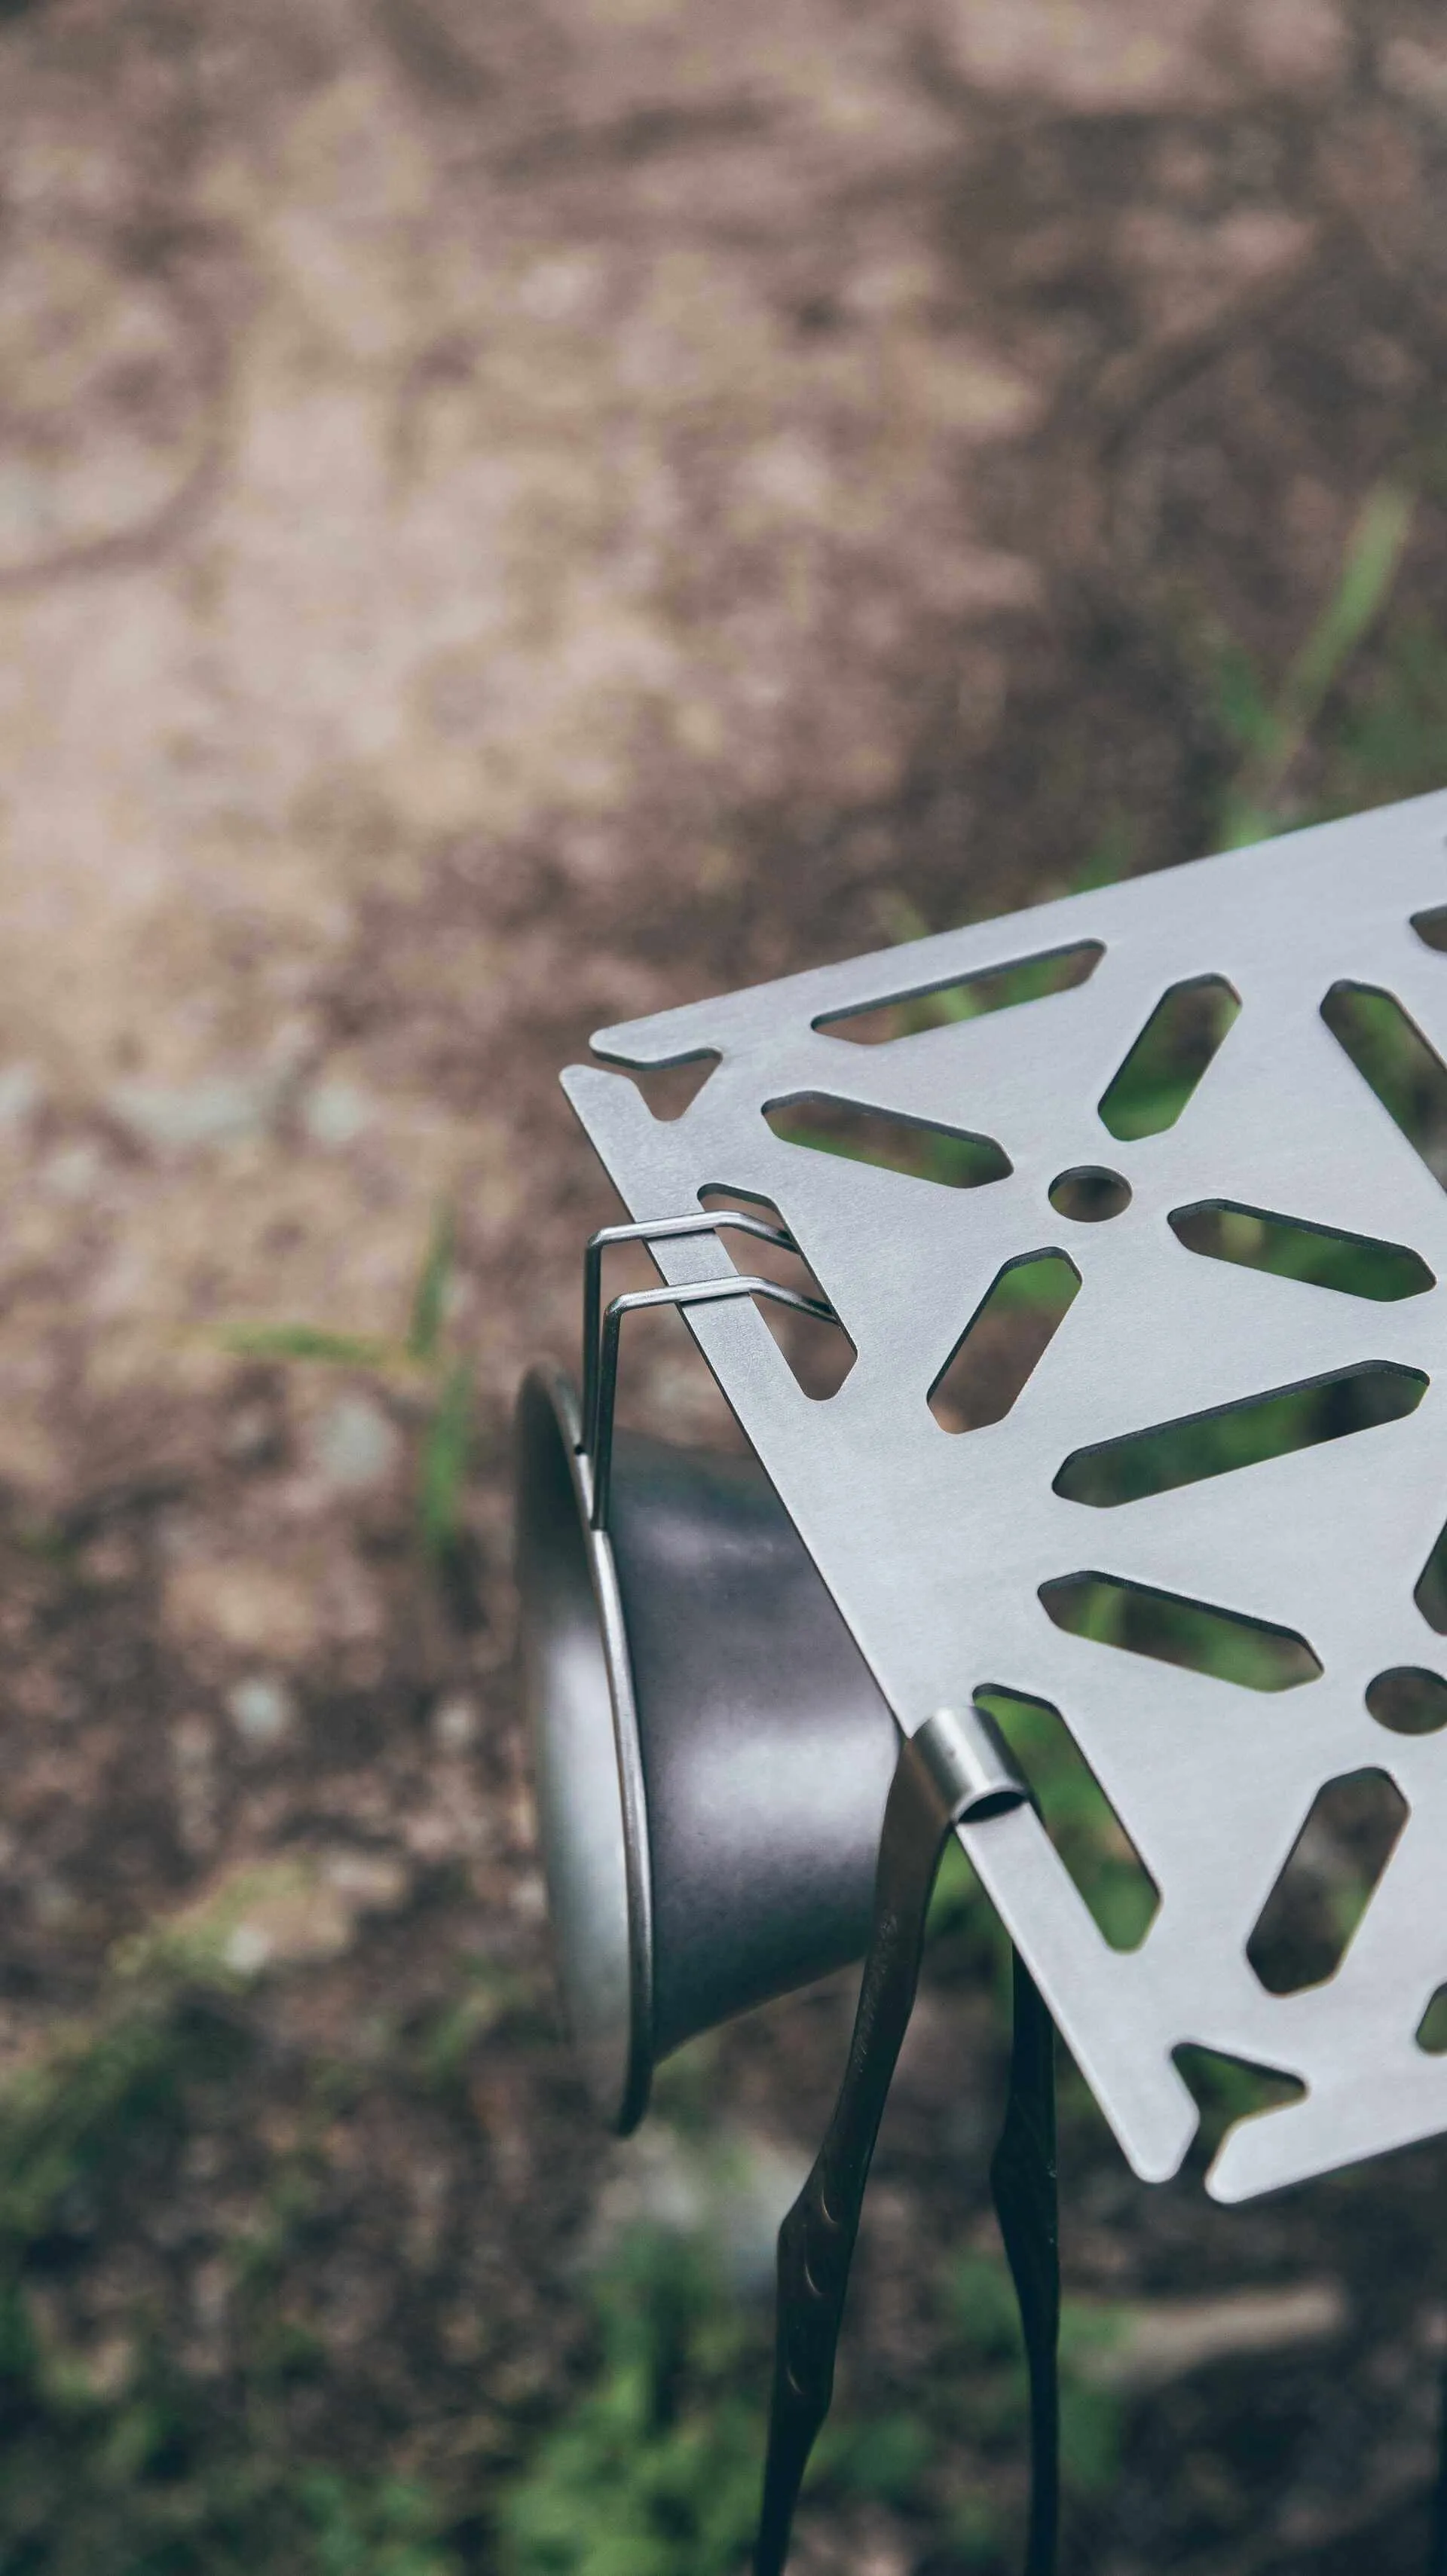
<point>1195,1634</point>
<point>964,997</point>
<point>949,1156</point>
<point>1355,1265</point>
<point>1241,1435</point>
<point>1432,2028</point>
<point>1078,1816</point>
<point>1227,2090</point>
<point>1431,1592</point>
<point>820,1355</point>
<point>1431,927</point>
<point>1013,1325</point>
<point>1395,1060</point>
<point>1169,1058</point>
<point>1408,1700</point>
<point>669,1089</point>
<point>1306,1925</point>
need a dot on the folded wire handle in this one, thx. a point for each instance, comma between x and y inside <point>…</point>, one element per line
<point>601,1331</point>
<point>663,1229</point>
<point>694,1292</point>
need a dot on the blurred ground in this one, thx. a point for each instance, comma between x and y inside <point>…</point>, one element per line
<point>510,518</point>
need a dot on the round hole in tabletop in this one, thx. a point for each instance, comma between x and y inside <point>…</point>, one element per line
<point>1409,1700</point>
<point>1088,1193</point>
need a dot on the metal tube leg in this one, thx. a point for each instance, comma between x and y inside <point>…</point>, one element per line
<point>939,1775</point>
<point>1023,2181</point>
<point>1437,2540</point>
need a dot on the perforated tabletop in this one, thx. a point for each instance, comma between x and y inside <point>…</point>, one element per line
<point>1004,1136</point>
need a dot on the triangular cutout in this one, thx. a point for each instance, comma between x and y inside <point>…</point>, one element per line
<point>1286,1247</point>
<point>1185,1452</point>
<point>1227,2090</point>
<point>1431,927</point>
<point>949,1156</point>
<point>669,1089</point>
<point>1173,1630</point>
<point>963,997</point>
<point>1009,1331</point>
<point>1395,1060</point>
<point>1169,1058</point>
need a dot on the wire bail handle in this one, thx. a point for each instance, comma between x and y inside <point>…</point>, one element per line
<point>602,1330</point>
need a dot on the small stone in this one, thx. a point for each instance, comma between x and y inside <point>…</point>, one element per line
<point>175,1120</point>
<point>335,1113</point>
<point>528,1897</point>
<point>110,2366</point>
<point>368,1882</point>
<point>250,1433</point>
<point>287,1927</point>
<point>309,1909</point>
<point>254,1608</point>
<point>285,1912</point>
<point>455,1723</point>
<point>262,1711</point>
<point>73,1172</point>
<point>20,1092</point>
<point>354,1444</point>
<point>1417,72</point>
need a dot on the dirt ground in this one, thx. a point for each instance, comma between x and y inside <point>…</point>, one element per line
<point>511,517</point>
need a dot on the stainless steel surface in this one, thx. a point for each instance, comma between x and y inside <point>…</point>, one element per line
<point>935,1546</point>
<point>712,1754</point>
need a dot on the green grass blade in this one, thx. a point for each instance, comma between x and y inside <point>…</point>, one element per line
<point>442,1470</point>
<point>1369,570</point>
<point>429,1299</point>
<point>309,1342</point>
